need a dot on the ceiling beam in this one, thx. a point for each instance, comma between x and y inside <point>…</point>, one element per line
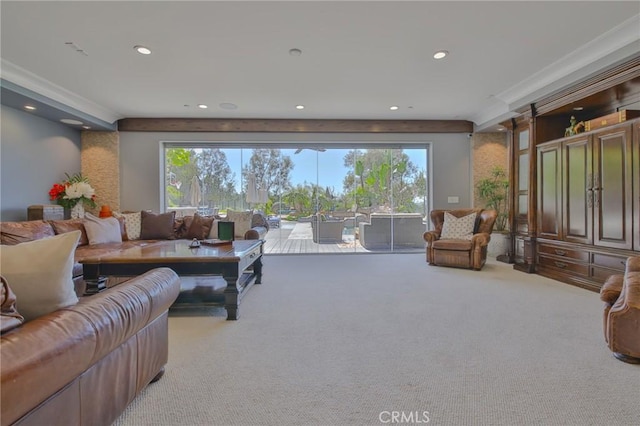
<point>296,126</point>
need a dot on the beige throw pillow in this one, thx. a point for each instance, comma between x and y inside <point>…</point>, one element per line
<point>40,273</point>
<point>458,228</point>
<point>242,221</point>
<point>213,233</point>
<point>102,230</point>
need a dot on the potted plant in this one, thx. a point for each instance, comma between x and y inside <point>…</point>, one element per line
<point>494,191</point>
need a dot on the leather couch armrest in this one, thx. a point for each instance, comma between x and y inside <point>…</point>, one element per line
<point>611,289</point>
<point>431,236</point>
<point>633,264</point>
<point>481,239</point>
<point>255,233</point>
<point>631,292</point>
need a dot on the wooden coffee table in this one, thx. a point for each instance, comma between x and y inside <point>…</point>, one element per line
<point>239,263</point>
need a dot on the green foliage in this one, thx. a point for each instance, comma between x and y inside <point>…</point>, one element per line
<point>271,168</point>
<point>380,175</point>
<point>494,191</point>
<point>178,157</point>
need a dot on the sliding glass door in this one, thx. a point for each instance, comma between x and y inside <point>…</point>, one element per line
<point>317,198</point>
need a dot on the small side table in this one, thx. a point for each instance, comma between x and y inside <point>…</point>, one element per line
<point>45,212</point>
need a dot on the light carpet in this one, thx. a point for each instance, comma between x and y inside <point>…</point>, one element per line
<point>350,339</point>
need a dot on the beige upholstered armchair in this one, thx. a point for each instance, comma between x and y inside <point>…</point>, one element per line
<point>461,251</point>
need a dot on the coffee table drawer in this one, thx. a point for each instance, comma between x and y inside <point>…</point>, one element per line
<point>251,257</point>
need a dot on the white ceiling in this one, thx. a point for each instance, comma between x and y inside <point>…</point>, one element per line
<point>358,58</point>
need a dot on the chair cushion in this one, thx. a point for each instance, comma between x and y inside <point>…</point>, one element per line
<point>457,245</point>
<point>458,228</point>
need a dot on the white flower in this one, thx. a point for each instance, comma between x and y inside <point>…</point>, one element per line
<point>79,190</point>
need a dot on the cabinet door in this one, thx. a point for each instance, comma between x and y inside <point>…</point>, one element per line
<point>577,195</point>
<point>612,188</point>
<point>549,196</point>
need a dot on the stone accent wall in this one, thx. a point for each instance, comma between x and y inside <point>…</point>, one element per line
<point>488,150</point>
<point>100,159</point>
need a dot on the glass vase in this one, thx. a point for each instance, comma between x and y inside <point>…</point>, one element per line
<point>77,211</point>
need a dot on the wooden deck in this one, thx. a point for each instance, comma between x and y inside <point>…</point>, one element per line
<point>297,238</point>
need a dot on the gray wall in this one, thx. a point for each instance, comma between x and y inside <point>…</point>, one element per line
<point>34,154</point>
<point>140,161</point>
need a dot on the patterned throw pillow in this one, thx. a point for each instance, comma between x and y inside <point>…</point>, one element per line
<point>242,221</point>
<point>458,228</point>
<point>133,224</point>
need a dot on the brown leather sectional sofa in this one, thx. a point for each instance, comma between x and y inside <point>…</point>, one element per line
<point>82,365</point>
<point>18,232</point>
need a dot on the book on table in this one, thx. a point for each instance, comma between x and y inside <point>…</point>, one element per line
<point>226,230</point>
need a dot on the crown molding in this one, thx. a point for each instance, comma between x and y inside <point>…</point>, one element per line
<point>28,80</point>
<point>603,51</point>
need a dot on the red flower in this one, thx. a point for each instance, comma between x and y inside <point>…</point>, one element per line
<point>56,191</point>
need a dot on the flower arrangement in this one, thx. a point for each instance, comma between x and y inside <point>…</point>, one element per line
<point>73,190</point>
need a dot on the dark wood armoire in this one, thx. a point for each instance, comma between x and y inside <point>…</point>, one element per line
<point>575,198</point>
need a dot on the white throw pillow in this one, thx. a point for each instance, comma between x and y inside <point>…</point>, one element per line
<point>40,273</point>
<point>102,230</point>
<point>242,221</point>
<point>458,228</point>
<point>132,224</point>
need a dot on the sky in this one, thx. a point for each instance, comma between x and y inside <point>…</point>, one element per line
<point>326,168</point>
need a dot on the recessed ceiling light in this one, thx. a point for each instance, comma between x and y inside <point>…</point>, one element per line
<point>393,108</point>
<point>578,108</point>
<point>142,50</point>
<point>203,106</point>
<point>71,121</point>
<point>228,105</point>
<point>440,54</point>
<point>295,52</point>
<point>29,107</point>
<point>501,129</point>
<point>299,106</point>
<point>86,127</point>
